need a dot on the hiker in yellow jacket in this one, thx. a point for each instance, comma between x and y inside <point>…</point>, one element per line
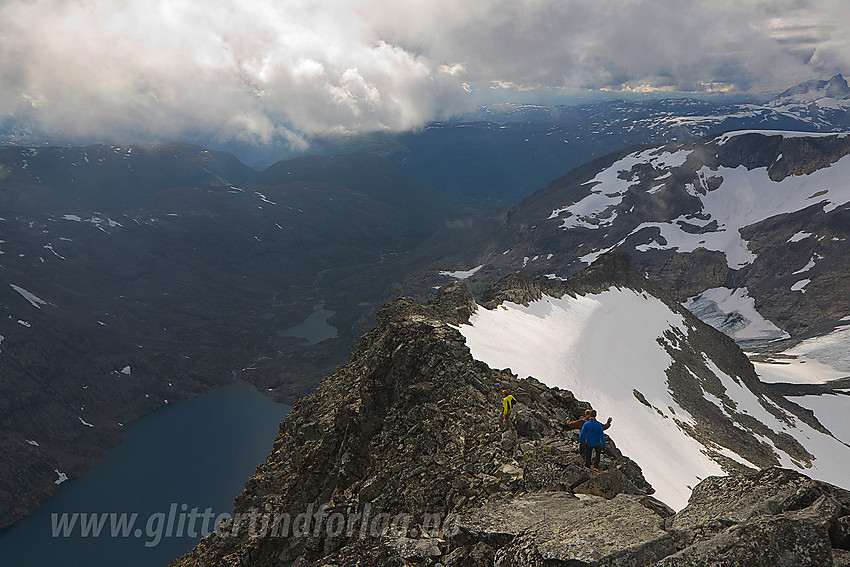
<point>508,401</point>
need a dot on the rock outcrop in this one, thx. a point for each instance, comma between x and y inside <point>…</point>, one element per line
<point>410,429</point>
<point>400,458</point>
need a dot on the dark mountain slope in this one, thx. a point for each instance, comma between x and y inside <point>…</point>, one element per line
<point>762,215</point>
<point>191,287</point>
<point>55,179</point>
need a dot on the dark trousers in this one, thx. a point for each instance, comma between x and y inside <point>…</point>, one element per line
<point>586,452</point>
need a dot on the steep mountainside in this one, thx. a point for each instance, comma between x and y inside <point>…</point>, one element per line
<point>510,151</point>
<point>399,459</point>
<point>750,228</point>
<point>686,401</point>
<point>119,294</point>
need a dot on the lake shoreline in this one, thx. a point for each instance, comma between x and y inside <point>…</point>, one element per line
<point>239,394</point>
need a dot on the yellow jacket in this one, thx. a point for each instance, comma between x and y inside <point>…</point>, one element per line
<point>508,404</point>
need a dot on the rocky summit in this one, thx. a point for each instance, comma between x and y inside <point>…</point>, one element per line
<point>400,458</point>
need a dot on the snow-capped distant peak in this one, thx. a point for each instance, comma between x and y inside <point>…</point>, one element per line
<point>810,91</point>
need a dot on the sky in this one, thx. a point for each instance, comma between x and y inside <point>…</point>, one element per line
<point>277,71</point>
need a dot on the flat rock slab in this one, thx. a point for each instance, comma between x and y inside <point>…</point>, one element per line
<point>620,531</point>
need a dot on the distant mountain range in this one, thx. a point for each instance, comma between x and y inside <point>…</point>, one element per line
<point>510,151</point>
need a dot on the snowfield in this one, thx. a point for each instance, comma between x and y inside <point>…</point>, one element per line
<point>744,197</point>
<point>604,346</point>
<point>749,196</point>
<point>799,370</point>
<point>817,361</point>
<point>831,410</point>
<point>831,349</point>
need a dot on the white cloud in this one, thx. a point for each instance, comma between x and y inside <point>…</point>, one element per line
<point>266,70</point>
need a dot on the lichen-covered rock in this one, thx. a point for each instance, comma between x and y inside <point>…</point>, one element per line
<point>738,497</point>
<point>607,484</point>
<point>546,468</point>
<point>840,558</point>
<point>763,542</point>
<point>839,533</point>
<point>771,518</point>
<point>557,526</point>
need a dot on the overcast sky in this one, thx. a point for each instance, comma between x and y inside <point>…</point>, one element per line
<point>272,70</point>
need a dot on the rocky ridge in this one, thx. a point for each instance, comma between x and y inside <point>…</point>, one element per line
<point>408,431</point>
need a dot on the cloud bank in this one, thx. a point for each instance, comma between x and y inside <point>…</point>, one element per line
<point>263,71</point>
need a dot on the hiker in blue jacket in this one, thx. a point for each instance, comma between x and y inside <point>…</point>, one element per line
<point>593,437</point>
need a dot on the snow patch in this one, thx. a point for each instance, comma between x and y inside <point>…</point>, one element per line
<point>607,191</point>
<point>723,138</point>
<point>461,274</point>
<point>55,253</point>
<point>799,236</point>
<point>97,221</point>
<point>62,477</point>
<point>34,300</point>
<point>263,198</point>
<point>84,422</point>
<point>810,265</point>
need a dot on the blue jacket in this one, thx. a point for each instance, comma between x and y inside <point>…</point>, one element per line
<point>592,434</point>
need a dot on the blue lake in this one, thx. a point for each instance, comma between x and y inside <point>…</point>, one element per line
<point>194,455</point>
<point>314,329</point>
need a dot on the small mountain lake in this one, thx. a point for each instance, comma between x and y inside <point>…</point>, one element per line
<point>314,328</point>
<point>195,454</point>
